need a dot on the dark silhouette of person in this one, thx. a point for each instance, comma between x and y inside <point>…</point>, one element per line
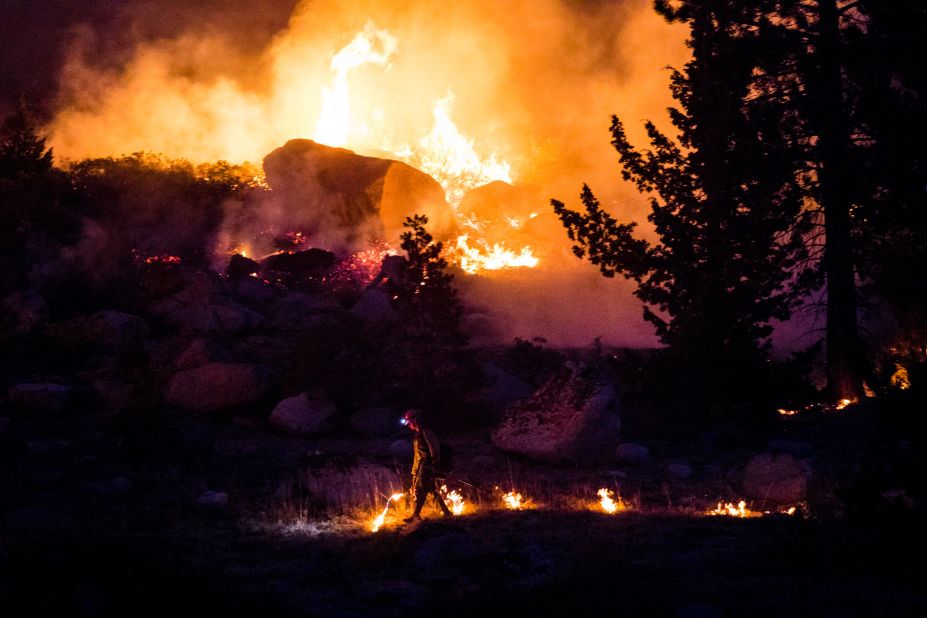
<point>427,455</point>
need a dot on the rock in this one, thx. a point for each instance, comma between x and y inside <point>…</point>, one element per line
<point>254,292</point>
<point>116,396</point>
<point>351,196</point>
<point>504,390</point>
<point>217,386</point>
<point>346,486</point>
<point>573,417</point>
<point>507,213</point>
<point>305,415</point>
<point>202,308</point>
<point>202,352</point>
<point>375,422</point>
<point>241,267</point>
<point>213,500</point>
<point>312,262</point>
<point>401,449</point>
<point>374,306</point>
<point>297,311</point>
<point>45,397</point>
<point>678,470</point>
<point>632,454</point>
<point>779,479</point>
<point>117,332</point>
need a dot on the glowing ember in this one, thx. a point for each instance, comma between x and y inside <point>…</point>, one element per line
<point>362,267</point>
<point>840,405</point>
<point>784,412</point>
<point>496,257</point>
<point>370,46</point>
<point>158,259</point>
<point>607,503</point>
<point>453,500</point>
<point>513,500</point>
<point>378,521</point>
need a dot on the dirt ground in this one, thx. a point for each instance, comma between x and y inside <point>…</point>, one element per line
<point>99,518</point>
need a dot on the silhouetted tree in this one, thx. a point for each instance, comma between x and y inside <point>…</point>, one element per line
<point>426,356</point>
<point>22,149</point>
<point>724,203</point>
<point>814,86</point>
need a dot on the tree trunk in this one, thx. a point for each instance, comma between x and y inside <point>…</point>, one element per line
<point>844,367</point>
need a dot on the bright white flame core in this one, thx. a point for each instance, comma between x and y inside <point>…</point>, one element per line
<point>370,46</point>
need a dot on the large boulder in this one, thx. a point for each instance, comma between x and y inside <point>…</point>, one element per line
<point>506,212</point>
<point>115,331</point>
<point>305,415</point>
<point>778,479</point>
<point>217,386</point>
<point>348,198</point>
<point>345,485</point>
<point>44,397</point>
<point>374,307</point>
<point>573,417</point>
<point>504,389</point>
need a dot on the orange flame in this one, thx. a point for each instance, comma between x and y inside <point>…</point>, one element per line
<point>370,46</point>
<point>454,500</point>
<point>514,501</point>
<point>495,257</point>
<point>377,523</point>
<point>608,504</point>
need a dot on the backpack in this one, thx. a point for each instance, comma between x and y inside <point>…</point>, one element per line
<point>446,461</point>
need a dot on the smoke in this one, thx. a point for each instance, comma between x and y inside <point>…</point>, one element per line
<point>534,82</point>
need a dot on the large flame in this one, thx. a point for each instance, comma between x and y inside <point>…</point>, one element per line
<point>371,46</point>
<point>451,157</point>
<point>445,152</point>
<point>482,256</point>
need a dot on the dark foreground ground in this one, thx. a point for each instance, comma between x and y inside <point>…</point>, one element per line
<point>104,520</point>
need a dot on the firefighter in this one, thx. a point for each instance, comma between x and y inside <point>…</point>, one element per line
<point>427,456</point>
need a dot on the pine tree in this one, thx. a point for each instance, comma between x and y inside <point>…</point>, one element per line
<point>723,203</point>
<point>426,358</point>
<point>22,149</point>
